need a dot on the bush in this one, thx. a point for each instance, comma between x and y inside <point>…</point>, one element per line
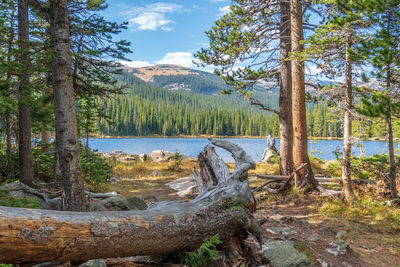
<point>374,166</point>
<point>200,257</point>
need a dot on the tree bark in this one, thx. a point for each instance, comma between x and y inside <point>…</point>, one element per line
<point>24,114</point>
<point>167,227</point>
<point>7,114</point>
<point>64,108</point>
<point>392,162</point>
<point>285,93</point>
<point>45,137</point>
<point>300,150</point>
<point>347,122</point>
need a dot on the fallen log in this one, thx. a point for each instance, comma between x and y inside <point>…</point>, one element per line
<point>29,235</point>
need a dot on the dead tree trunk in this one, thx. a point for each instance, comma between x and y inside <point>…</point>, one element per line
<point>29,236</point>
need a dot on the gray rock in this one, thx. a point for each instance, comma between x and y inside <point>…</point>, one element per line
<point>339,247</point>
<point>52,204</point>
<point>94,263</point>
<point>314,237</point>
<point>115,180</point>
<point>280,230</point>
<point>345,264</point>
<point>96,206</point>
<point>269,154</point>
<point>340,234</point>
<point>126,159</point>
<point>115,203</point>
<point>155,173</point>
<point>136,203</point>
<point>161,156</point>
<point>119,202</point>
<point>323,263</point>
<point>284,254</point>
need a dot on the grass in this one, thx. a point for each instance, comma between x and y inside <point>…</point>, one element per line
<point>302,247</point>
<point>365,208</point>
<point>7,200</point>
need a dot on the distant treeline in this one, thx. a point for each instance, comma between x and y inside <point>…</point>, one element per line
<point>149,110</point>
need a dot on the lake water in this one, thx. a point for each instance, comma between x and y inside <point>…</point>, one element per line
<point>254,146</point>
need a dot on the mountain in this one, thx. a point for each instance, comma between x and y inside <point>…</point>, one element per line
<point>178,78</point>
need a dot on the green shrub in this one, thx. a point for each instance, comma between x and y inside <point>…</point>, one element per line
<point>200,257</point>
<point>373,166</point>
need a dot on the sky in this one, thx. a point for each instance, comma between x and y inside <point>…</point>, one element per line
<point>165,32</point>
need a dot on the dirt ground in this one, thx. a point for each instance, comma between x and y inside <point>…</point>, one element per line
<point>371,244</point>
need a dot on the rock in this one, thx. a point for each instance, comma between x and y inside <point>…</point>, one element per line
<point>339,247</point>
<point>345,264</point>
<point>185,186</point>
<point>96,206</point>
<point>94,263</point>
<point>280,231</point>
<point>126,159</point>
<point>115,180</point>
<point>118,152</point>
<point>143,157</point>
<point>20,190</point>
<point>155,173</point>
<point>269,154</point>
<point>323,263</point>
<point>52,204</point>
<point>340,234</point>
<point>284,254</point>
<point>314,237</point>
<point>136,203</point>
<point>119,202</point>
<point>161,156</point>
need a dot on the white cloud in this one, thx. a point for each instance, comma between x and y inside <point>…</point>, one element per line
<point>135,64</point>
<point>178,58</point>
<point>223,10</point>
<point>153,16</point>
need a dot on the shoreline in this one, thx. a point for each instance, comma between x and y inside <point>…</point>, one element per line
<point>224,136</point>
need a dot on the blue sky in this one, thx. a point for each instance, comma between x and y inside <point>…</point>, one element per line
<point>165,32</point>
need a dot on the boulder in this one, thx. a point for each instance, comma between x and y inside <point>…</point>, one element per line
<point>269,154</point>
<point>284,254</point>
<point>119,202</point>
<point>136,203</point>
<point>52,204</point>
<point>161,156</point>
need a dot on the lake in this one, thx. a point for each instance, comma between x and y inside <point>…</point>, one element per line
<point>253,146</point>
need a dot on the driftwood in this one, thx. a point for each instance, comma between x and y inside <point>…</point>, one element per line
<point>29,235</point>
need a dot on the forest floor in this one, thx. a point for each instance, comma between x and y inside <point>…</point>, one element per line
<point>372,232</point>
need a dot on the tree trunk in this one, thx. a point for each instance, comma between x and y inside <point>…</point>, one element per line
<point>45,137</point>
<point>285,93</point>
<point>64,109</point>
<point>7,114</point>
<point>347,122</point>
<point>166,227</point>
<point>24,115</point>
<point>300,153</point>
<point>392,162</point>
